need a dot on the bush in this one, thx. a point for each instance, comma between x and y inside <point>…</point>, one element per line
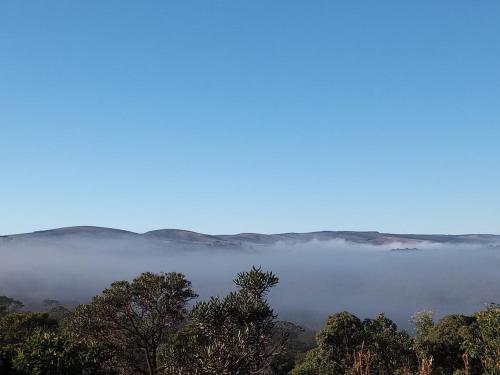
<point>47,353</point>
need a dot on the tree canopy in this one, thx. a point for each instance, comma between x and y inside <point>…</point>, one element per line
<point>152,326</point>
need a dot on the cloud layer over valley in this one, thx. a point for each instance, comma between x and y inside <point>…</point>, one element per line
<point>320,273</point>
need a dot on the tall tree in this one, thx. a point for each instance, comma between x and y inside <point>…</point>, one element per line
<point>391,348</point>
<point>235,334</point>
<point>133,319</point>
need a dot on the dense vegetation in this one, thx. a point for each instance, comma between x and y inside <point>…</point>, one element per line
<point>150,326</point>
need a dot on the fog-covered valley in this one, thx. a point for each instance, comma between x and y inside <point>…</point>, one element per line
<point>319,273</point>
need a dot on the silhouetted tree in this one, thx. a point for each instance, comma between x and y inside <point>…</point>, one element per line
<point>234,335</point>
<point>133,319</point>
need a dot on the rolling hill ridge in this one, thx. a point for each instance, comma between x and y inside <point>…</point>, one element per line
<point>254,239</point>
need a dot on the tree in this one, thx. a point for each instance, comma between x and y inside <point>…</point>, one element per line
<point>316,363</point>
<point>9,305</point>
<point>424,323</point>
<point>234,335</point>
<point>47,353</point>
<point>337,343</point>
<point>443,342</point>
<point>391,349</point>
<point>55,310</point>
<point>133,319</point>
<point>346,345</point>
<point>298,341</point>
<point>340,338</point>
<point>482,341</point>
<point>15,328</point>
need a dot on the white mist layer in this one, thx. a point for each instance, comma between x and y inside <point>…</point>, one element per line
<point>316,278</point>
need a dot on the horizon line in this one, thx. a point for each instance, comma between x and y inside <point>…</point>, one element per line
<point>240,233</point>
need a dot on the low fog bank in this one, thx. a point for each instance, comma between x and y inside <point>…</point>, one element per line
<point>316,278</point>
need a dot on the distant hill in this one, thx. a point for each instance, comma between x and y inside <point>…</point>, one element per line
<point>185,237</point>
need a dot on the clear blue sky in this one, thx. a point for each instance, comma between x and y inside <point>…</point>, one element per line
<point>268,116</point>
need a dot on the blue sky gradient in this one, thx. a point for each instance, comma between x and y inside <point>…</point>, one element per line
<point>265,116</point>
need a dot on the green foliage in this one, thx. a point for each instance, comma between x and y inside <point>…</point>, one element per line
<point>345,336</point>
<point>47,353</point>
<point>443,342</point>
<point>340,337</point>
<point>391,349</point>
<point>177,354</point>
<point>424,323</point>
<point>337,342</point>
<point>14,328</point>
<point>17,327</point>
<point>482,340</point>
<point>234,335</point>
<point>256,283</point>
<point>316,363</point>
<point>134,319</point>
<point>145,327</point>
